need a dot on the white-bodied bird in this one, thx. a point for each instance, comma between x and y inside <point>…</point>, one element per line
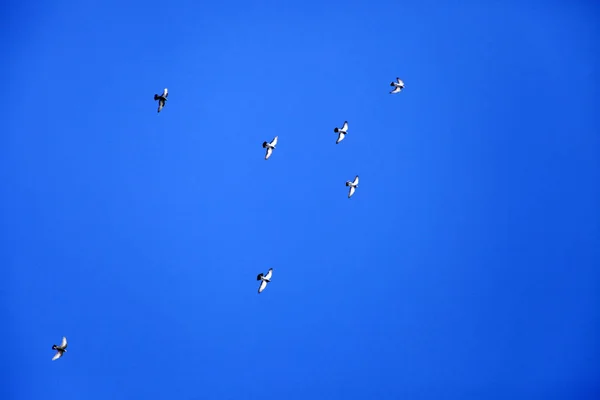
<point>398,86</point>
<point>341,132</point>
<point>270,147</point>
<point>353,185</point>
<point>162,99</point>
<point>60,350</point>
<point>264,279</point>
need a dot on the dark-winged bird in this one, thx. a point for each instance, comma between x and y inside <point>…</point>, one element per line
<point>162,99</point>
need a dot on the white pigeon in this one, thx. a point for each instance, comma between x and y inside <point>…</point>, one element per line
<point>398,86</point>
<point>341,132</point>
<point>60,350</point>
<point>270,147</point>
<point>353,185</point>
<point>162,99</point>
<point>264,279</point>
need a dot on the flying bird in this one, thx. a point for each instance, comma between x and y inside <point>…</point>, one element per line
<point>398,86</point>
<point>341,132</point>
<point>264,279</point>
<point>353,185</point>
<point>270,147</point>
<point>60,350</point>
<point>162,99</point>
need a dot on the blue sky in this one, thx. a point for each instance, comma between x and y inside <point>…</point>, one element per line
<point>465,266</point>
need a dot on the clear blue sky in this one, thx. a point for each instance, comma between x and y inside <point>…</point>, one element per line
<point>466,266</point>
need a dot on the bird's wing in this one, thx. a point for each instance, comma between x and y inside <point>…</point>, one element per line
<point>396,90</point>
<point>263,285</point>
<point>269,274</point>
<point>345,127</point>
<point>274,141</point>
<point>355,183</point>
<point>269,152</point>
<point>57,355</point>
<point>351,192</point>
<point>63,344</point>
<point>341,137</point>
<point>161,104</point>
<point>399,81</point>
<point>165,93</point>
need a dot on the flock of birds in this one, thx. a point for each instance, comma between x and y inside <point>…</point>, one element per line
<point>398,85</point>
